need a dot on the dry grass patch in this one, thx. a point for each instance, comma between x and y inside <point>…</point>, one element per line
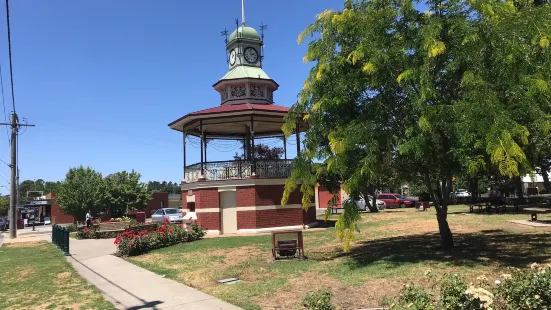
<point>31,244</point>
<point>63,275</point>
<point>149,257</point>
<point>236,256</point>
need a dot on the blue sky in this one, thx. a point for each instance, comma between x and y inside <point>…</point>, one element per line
<point>102,79</point>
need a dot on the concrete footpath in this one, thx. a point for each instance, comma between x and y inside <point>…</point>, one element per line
<point>128,286</point>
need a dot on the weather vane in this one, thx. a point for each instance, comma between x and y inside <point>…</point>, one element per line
<point>262,28</point>
<point>225,34</point>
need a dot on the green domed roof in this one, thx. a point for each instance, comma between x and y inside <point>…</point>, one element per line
<point>245,33</point>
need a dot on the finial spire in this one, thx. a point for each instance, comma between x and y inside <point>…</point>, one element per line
<point>243,12</point>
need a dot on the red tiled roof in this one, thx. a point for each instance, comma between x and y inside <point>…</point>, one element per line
<point>243,107</point>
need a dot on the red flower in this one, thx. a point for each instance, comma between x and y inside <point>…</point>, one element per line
<point>170,230</point>
<point>165,220</point>
<point>136,237</point>
<point>117,240</point>
<point>164,233</point>
<point>87,230</point>
<point>131,244</point>
<point>195,221</point>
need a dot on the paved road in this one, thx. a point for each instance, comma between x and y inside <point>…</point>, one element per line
<point>128,286</point>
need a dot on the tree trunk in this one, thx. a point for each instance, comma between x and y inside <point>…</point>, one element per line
<point>444,228</point>
<point>473,184</point>
<point>546,184</point>
<point>371,205</point>
<point>439,198</point>
<point>518,187</point>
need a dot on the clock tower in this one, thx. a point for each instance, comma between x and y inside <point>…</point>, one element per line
<point>246,81</point>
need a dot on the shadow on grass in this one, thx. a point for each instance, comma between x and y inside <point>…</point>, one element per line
<point>490,247</point>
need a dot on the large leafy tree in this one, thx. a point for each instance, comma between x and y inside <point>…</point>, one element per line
<point>422,96</point>
<point>37,185</point>
<point>83,190</point>
<point>4,205</point>
<point>126,192</point>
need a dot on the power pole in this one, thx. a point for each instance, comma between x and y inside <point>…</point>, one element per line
<point>14,175</point>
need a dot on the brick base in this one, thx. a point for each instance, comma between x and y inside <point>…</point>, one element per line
<point>264,197</point>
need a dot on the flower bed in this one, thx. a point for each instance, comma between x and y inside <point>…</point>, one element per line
<point>87,233</point>
<point>95,233</point>
<point>131,244</point>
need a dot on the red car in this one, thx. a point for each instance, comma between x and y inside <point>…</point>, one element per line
<point>396,200</point>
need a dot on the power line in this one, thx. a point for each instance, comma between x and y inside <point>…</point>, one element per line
<point>4,161</point>
<point>4,103</point>
<point>9,51</point>
<point>5,179</point>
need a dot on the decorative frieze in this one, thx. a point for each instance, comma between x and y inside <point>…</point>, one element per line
<point>257,91</point>
<point>238,91</point>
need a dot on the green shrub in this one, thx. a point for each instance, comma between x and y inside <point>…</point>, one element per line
<point>522,289</point>
<point>72,227</point>
<point>319,300</point>
<point>527,289</point>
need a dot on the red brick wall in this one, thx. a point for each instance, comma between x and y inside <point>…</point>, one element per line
<point>264,195</point>
<point>324,196</point>
<point>155,203</point>
<point>278,217</point>
<point>268,195</point>
<point>246,219</point>
<point>58,217</point>
<point>245,196</point>
<point>309,216</point>
<point>206,198</point>
<point>210,220</point>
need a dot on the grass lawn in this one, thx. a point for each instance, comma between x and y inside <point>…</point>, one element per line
<point>36,275</point>
<point>394,247</point>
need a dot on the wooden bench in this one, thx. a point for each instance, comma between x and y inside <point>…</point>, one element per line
<point>536,209</point>
<point>479,205</point>
<point>113,226</point>
<point>140,228</point>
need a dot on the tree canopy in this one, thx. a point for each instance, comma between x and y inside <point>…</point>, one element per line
<point>83,190</point>
<point>126,193</point>
<point>400,94</point>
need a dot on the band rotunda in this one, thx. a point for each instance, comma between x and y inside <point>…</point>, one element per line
<point>244,194</point>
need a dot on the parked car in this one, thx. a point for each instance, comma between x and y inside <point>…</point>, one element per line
<point>396,200</point>
<point>462,193</point>
<point>173,215</point>
<point>362,206</point>
<point>461,196</point>
<point>4,224</point>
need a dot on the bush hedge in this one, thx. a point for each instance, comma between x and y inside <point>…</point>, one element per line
<point>131,244</point>
<point>518,290</point>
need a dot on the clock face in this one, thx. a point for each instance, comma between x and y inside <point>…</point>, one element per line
<point>233,57</point>
<point>251,55</point>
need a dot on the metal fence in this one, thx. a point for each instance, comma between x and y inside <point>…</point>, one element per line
<point>240,169</point>
<point>60,238</point>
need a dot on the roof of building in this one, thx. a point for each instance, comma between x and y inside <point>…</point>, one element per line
<point>243,72</point>
<point>245,33</point>
<point>243,107</point>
